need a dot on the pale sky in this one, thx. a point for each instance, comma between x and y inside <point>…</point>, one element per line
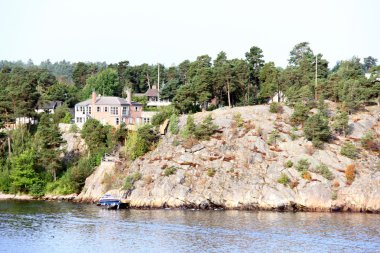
<point>170,31</point>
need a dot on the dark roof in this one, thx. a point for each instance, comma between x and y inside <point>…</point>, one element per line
<point>50,105</point>
<point>151,93</point>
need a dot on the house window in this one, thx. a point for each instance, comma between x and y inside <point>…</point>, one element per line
<point>136,108</point>
<point>105,108</point>
<point>117,121</point>
<point>98,109</point>
<point>131,121</point>
<point>77,108</point>
<point>125,110</point>
<point>89,110</point>
<point>114,110</point>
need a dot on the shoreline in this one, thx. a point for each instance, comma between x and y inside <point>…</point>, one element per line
<point>284,208</point>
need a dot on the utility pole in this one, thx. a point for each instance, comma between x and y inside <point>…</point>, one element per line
<point>316,76</point>
<point>158,82</point>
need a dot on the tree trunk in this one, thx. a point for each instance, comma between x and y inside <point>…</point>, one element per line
<point>9,146</point>
<point>228,94</point>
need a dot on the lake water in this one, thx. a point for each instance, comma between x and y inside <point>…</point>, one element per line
<point>36,226</point>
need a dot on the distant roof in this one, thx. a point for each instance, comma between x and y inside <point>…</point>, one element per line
<point>151,93</point>
<point>107,101</point>
<point>139,94</point>
<point>50,105</point>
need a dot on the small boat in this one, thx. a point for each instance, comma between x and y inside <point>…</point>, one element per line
<point>110,202</point>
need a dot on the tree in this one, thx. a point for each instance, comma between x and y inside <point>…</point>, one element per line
<point>300,114</point>
<point>23,174</point>
<point>269,78</point>
<point>222,77</point>
<point>340,124</point>
<point>317,129</point>
<point>106,82</point>
<point>300,53</point>
<point>95,135</point>
<point>254,57</point>
<point>369,62</point>
<point>47,141</point>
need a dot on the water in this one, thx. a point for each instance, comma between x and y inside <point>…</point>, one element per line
<point>67,227</point>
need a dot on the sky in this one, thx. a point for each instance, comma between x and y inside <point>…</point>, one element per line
<point>171,31</point>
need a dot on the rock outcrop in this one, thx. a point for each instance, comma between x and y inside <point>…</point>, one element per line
<point>238,168</point>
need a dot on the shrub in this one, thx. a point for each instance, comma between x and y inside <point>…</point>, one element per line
<point>173,125</point>
<point>300,114</point>
<point>170,171</point>
<point>137,176</point>
<point>293,135</point>
<point>128,185</point>
<point>211,172</point>
<point>288,164</point>
<point>140,142</point>
<point>350,173</point>
<point>334,195</point>
<point>273,136</point>
<point>349,150</point>
<point>324,171</point>
<point>275,108</point>
<point>302,165</point>
<point>238,119</point>
<point>74,129</point>
<point>164,113</point>
<point>283,179</point>
<point>340,124</point>
<point>370,142</point>
<point>204,130</point>
<point>189,127</point>
<point>317,129</point>
<point>306,175</point>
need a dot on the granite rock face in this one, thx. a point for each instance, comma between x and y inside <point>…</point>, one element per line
<point>238,168</point>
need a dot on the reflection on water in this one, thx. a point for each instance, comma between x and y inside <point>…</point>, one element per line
<point>66,227</point>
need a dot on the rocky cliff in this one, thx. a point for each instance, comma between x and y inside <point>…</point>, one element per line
<point>238,168</point>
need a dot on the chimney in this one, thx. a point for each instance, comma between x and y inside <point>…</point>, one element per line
<point>93,97</point>
<point>129,96</point>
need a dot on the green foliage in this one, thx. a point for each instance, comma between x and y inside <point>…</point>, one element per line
<point>273,137</point>
<point>205,129</point>
<point>283,179</point>
<point>293,135</point>
<point>173,125</point>
<point>349,150</point>
<point>317,129</point>
<point>131,179</point>
<point>302,165</point>
<point>138,143</point>
<point>300,114</point>
<point>165,112</point>
<point>324,171</point>
<point>275,107</point>
<point>238,119</point>
<point>74,128</point>
<point>189,128</point>
<point>211,172</point>
<point>106,82</point>
<point>340,124</point>
<point>95,134</point>
<point>288,164</point>
<point>169,171</point>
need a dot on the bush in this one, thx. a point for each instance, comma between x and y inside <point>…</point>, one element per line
<point>302,165</point>
<point>74,129</point>
<point>189,128</point>
<point>273,136</point>
<point>164,113</point>
<point>140,142</point>
<point>300,114</point>
<point>306,175</point>
<point>324,171</point>
<point>293,135</point>
<point>350,173</point>
<point>211,172</point>
<point>349,150</point>
<point>340,124</point>
<point>173,125</point>
<point>238,119</point>
<point>204,130</point>
<point>131,179</point>
<point>317,129</point>
<point>370,142</point>
<point>170,171</point>
<point>288,164</point>
<point>283,179</point>
<point>275,108</point>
